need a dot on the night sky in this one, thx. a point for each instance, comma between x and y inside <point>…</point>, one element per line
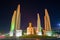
<point>29,10</point>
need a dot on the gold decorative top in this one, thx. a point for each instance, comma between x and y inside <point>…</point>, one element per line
<point>30,24</point>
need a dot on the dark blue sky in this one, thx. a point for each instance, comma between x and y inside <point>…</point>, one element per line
<point>29,10</point>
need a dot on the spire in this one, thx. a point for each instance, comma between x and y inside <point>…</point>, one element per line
<point>47,21</point>
<point>13,21</point>
<point>38,23</point>
<point>47,30</point>
<point>39,29</point>
<point>13,24</point>
<point>18,18</point>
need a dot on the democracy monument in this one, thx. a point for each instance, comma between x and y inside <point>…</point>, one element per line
<point>15,29</point>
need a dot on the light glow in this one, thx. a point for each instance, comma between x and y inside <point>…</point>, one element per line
<point>59,24</point>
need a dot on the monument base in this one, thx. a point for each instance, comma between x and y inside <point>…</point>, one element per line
<point>11,34</point>
<point>18,33</point>
<point>48,33</point>
<point>39,33</point>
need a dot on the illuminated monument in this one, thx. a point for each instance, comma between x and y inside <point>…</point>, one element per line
<point>15,24</point>
<point>30,29</point>
<point>39,29</point>
<point>47,30</point>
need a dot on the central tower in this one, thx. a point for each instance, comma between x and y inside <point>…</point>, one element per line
<point>30,29</point>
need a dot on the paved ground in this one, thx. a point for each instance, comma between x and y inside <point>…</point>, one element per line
<point>27,39</point>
